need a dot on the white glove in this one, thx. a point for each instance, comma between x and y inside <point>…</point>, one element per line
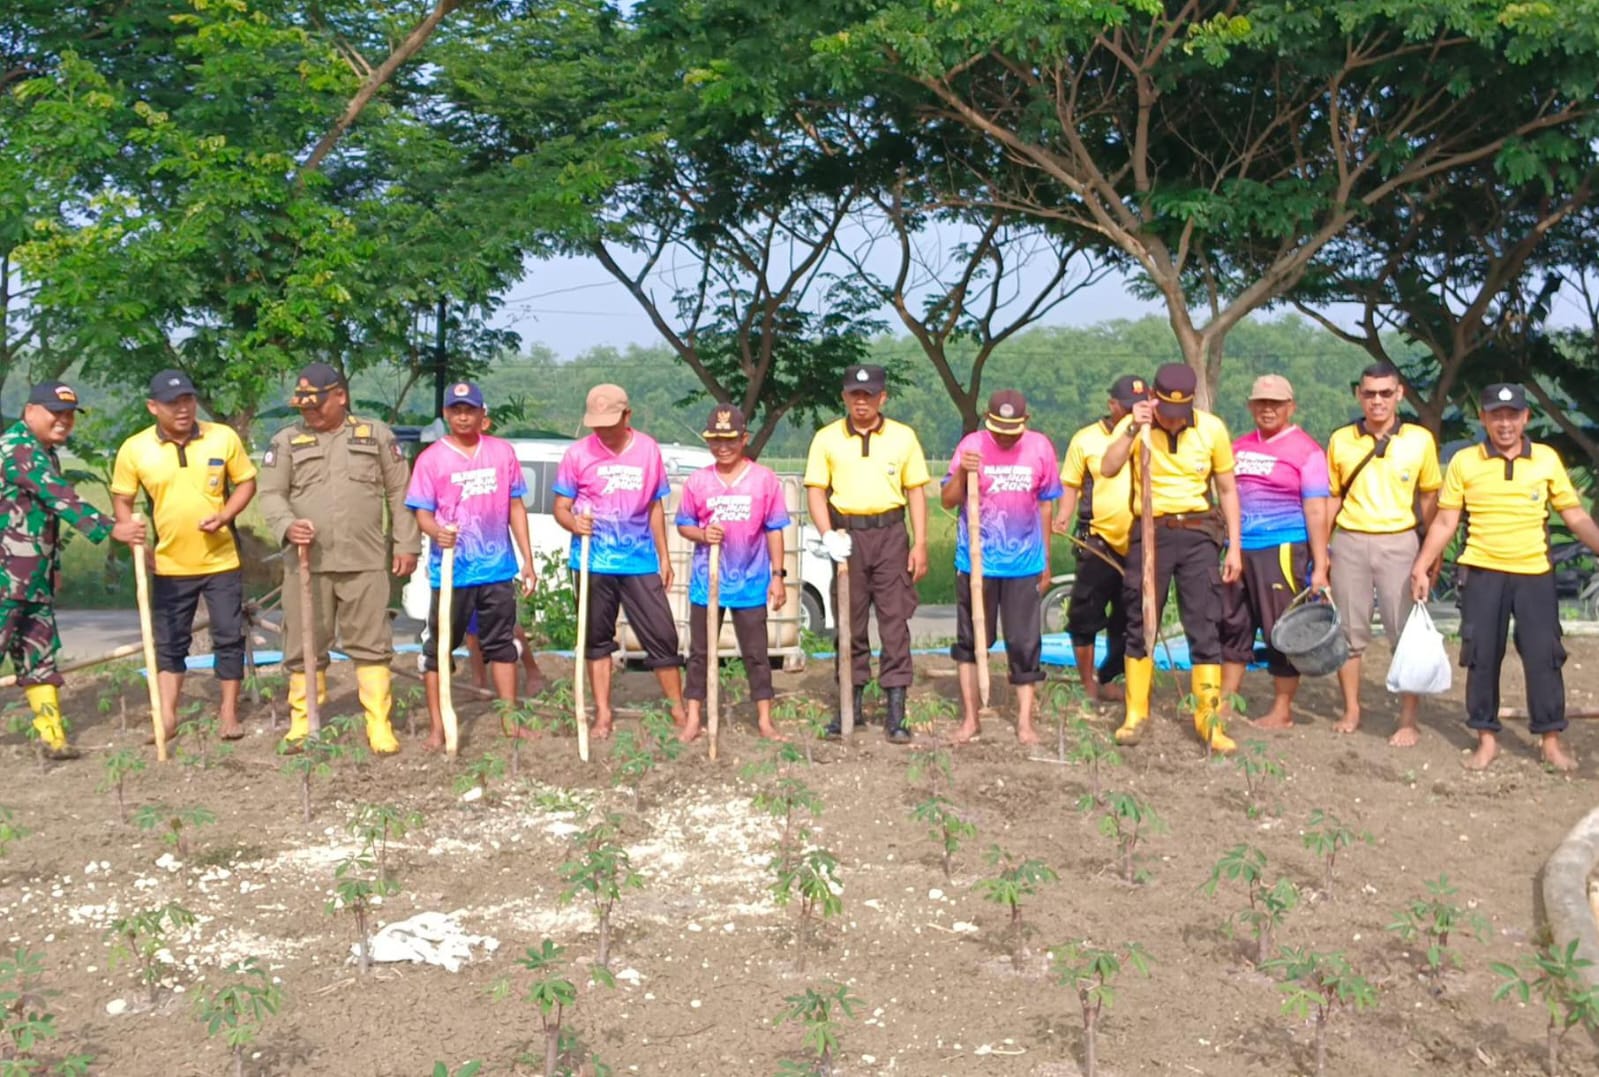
<point>837,545</point>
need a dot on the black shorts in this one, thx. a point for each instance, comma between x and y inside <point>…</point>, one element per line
<point>643,599</point>
<point>1271,579</point>
<point>494,606</point>
<point>1011,605</point>
<point>1096,599</point>
<point>173,600</point>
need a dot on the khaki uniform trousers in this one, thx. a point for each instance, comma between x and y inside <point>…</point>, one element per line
<point>354,605</point>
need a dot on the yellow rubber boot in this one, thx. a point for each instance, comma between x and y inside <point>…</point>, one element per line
<point>45,700</point>
<point>1205,682</point>
<point>372,685</point>
<point>1140,674</point>
<point>299,723</point>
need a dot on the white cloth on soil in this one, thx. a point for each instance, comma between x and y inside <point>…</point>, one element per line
<point>429,938</point>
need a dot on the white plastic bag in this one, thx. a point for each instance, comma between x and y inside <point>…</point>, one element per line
<point>1420,665</point>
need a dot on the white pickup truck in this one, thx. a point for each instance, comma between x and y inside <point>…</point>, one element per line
<point>810,602</point>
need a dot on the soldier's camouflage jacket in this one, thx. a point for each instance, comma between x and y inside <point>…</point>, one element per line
<point>34,499</point>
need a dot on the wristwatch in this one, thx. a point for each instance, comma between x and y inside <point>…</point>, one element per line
<point>781,573</point>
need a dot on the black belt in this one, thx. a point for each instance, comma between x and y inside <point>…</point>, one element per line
<point>870,521</point>
<point>1184,519</point>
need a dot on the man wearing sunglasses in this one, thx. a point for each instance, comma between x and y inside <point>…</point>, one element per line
<point>1380,470</point>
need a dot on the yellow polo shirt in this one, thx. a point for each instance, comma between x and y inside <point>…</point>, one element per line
<point>1507,502</point>
<point>1181,464</point>
<point>186,483</point>
<point>1382,501</point>
<point>1110,500</point>
<point>866,473</point>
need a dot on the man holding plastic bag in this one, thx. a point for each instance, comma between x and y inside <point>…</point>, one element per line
<point>1506,486</point>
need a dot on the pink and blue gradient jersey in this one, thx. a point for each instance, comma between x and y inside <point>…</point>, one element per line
<point>618,490</point>
<point>473,492</point>
<point>1012,484</point>
<point>1276,476</point>
<point>747,508</point>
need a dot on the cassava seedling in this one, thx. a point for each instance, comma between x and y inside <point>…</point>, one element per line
<point>1327,836</point>
<point>408,704</point>
<point>175,824</point>
<point>637,752</point>
<point>602,870</point>
<point>1092,974</point>
<point>120,765</point>
<point>1558,977</point>
<point>809,714</point>
<point>314,756</point>
<point>1016,879</point>
<point>485,774</point>
<point>931,762</point>
<point>786,795</point>
<point>1319,985</point>
<point>239,1010</point>
<point>946,827</point>
<point>1258,770</point>
<point>267,689</point>
<point>551,992</point>
<point>142,936</point>
<point>19,723</point>
<point>377,824</point>
<point>1432,919</point>
<point>732,680</point>
<point>201,732</point>
<point>1268,905</point>
<point>1094,750</point>
<point>1128,820</point>
<point>114,687</point>
<point>818,1012</point>
<point>356,889</point>
<point>466,1069</point>
<point>812,877</point>
<point>26,1023</point>
<point>1065,699</point>
<point>10,832</point>
<point>517,718</point>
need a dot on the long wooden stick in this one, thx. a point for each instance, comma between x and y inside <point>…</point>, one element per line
<point>713,649</point>
<point>452,727</point>
<point>579,662</point>
<point>308,656</point>
<point>152,676</point>
<point>974,535</point>
<point>845,651</point>
<point>1150,605</point>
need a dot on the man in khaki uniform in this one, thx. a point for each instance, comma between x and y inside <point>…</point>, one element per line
<point>324,482</point>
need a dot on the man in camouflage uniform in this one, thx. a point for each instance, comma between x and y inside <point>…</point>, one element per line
<point>34,499</point>
<point>324,482</point>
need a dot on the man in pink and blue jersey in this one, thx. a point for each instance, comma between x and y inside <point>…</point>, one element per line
<point>466,491</point>
<point>1282,494</point>
<point>1018,480</point>
<point>738,505</point>
<point>612,486</point>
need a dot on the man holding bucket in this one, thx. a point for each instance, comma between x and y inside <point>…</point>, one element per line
<point>1506,486</point>
<point>1282,498</point>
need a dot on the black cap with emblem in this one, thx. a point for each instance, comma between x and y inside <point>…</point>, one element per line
<point>55,396</point>
<point>725,421</point>
<point>865,379</point>
<point>314,380</point>
<point>1503,396</point>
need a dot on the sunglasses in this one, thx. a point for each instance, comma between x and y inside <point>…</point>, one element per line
<point>1378,394</point>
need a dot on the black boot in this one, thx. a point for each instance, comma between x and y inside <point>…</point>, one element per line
<point>897,733</point>
<point>835,728</point>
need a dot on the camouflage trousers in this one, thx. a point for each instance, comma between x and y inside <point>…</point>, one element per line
<point>28,637</point>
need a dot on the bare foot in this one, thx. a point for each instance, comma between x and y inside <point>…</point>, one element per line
<point>1348,723</point>
<point>600,730</point>
<point>687,733</point>
<point>434,743</point>
<point>1554,755</point>
<point>1274,721</point>
<point>1111,693</point>
<point>518,733</point>
<point>1487,751</point>
<point>769,732</point>
<point>1026,734</point>
<point>968,732</point>
<point>230,729</point>
<point>1405,736</point>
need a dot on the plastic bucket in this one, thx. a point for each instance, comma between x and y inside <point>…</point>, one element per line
<point>1312,637</point>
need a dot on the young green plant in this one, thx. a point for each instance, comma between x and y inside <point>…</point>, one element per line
<point>946,827</point>
<point>1432,920</point>
<point>548,990</point>
<point>114,686</point>
<point>1317,986</point>
<point>1558,978</point>
<point>1015,880</point>
<point>519,718</point>
<point>315,756</point>
<point>143,935</point>
<point>175,824</point>
<point>811,876</point>
<point>10,832</point>
<point>1094,750</point>
<point>484,774</point>
<point>238,1010</point>
<point>638,751</point>
<point>1258,769</point>
<point>121,765</point>
<point>1128,820</point>
<point>818,1012</point>
<point>356,889</point>
<point>25,1023</point>
<point>1065,700</point>
<point>602,870</point>
<point>1326,836</point>
<point>1268,905</point>
<point>1092,974</point>
<point>378,824</point>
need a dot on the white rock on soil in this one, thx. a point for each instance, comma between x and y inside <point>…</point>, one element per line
<point>116,1007</point>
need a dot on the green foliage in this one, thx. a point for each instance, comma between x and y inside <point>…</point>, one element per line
<point>1268,905</point>
<point>25,1023</point>
<point>175,824</point>
<point>602,870</point>
<point>201,732</point>
<point>516,716</point>
<point>946,827</point>
<point>377,824</point>
<point>547,990</point>
<point>931,762</point>
<point>1094,750</point>
<point>809,714</point>
<point>637,752</point>
<point>315,756</point>
<point>1433,919</point>
<point>811,875</point>
<point>409,704</point>
<point>1258,770</point>
<point>1557,977</point>
<point>818,1011</point>
<point>483,774</point>
<point>239,1010</point>
<point>549,615</point>
<point>357,887</point>
<point>9,830</point>
<point>120,764</point>
<point>1318,985</point>
<point>1128,820</point>
<point>1092,973</point>
<point>732,681</point>
<point>142,935</point>
<point>1064,699</point>
<point>466,1069</point>
<point>113,694</point>
<point>1016,879</point>
<point>1326,836</point>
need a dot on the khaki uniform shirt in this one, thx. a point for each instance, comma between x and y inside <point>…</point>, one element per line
<point>340,481</point>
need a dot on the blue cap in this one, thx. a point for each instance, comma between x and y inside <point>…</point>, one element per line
<point>463,392</point>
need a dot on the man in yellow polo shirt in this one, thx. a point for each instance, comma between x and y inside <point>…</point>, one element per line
<point>862,472</point>
<point>1189,449</point>
<point>1506,486</point>
<point>198,479</point>
<point>1104,524</point>
<point>1378,469</point>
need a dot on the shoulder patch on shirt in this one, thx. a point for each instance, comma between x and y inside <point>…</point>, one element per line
<point>270,459</point>
<point>362,430</point>
<point>394,450</point>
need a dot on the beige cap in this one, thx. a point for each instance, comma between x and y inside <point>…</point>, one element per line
<point>605,405</point>
<point>1271,387</point>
